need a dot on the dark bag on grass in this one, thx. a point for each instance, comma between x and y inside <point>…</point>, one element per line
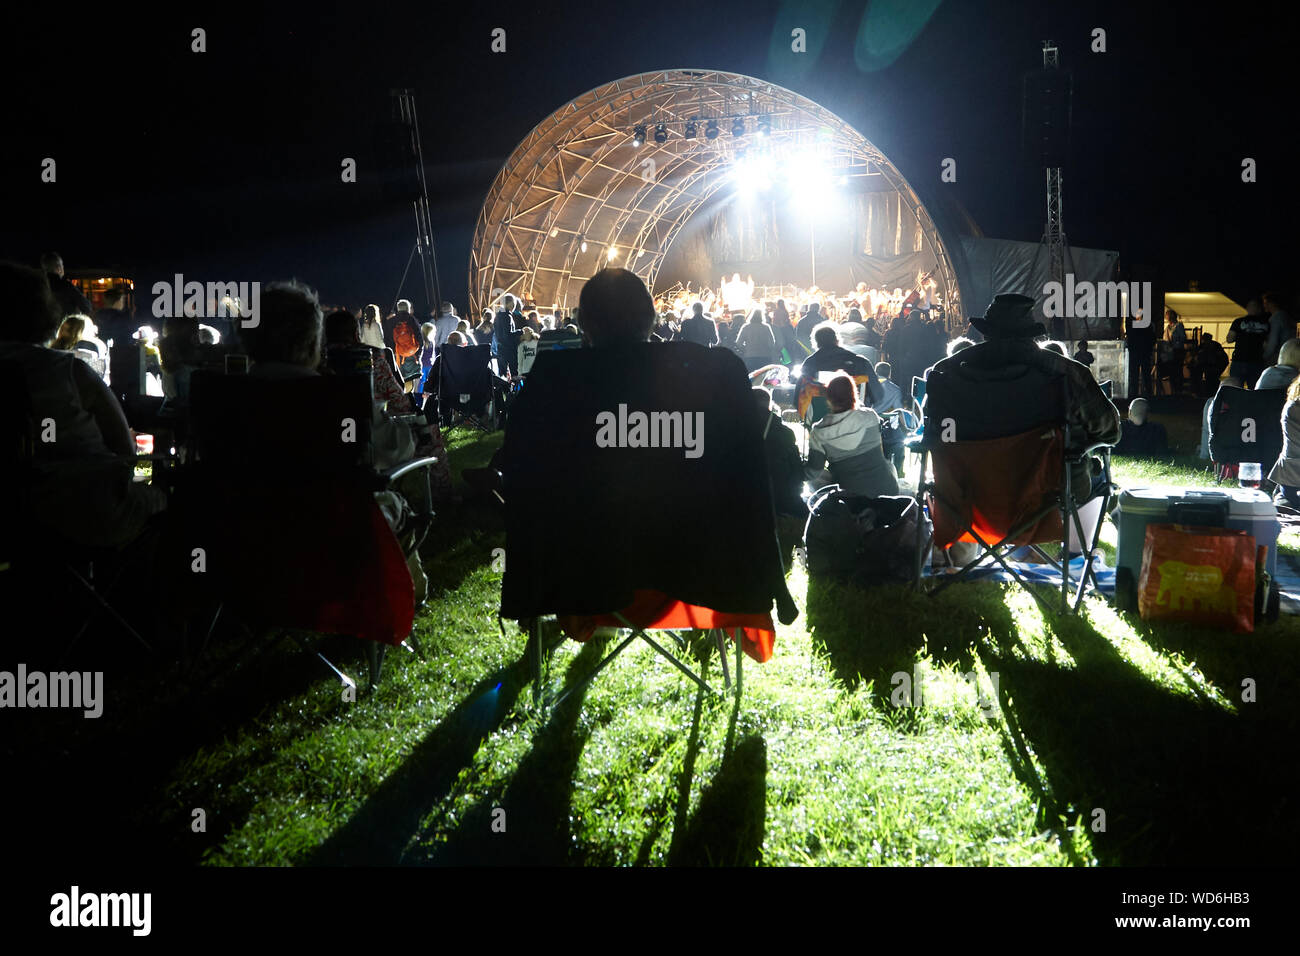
<point>866,540</point>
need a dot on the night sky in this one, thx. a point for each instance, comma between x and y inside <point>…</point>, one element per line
<point>225,165</point>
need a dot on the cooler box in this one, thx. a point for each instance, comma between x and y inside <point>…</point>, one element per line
<point>1244,509</point>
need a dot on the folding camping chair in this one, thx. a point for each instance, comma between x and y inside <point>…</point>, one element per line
<point>279,492</point>
<point>468,390</point>
<point>1246,426</point>
<point>1005,491</point>
<point>657,537</point>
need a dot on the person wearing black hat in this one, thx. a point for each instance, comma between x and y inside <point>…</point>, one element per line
<point>1009,351</point>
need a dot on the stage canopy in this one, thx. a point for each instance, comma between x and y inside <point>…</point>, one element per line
<point>579,193</point>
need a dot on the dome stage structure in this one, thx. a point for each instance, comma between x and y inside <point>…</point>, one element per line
<point>613,177</point>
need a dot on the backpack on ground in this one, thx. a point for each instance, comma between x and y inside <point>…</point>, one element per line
<point>865,540</point>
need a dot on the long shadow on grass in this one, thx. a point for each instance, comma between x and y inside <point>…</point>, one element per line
<point>728,826</point>
<point>1180,781</point>
<point>529,824</point>
<point>378,833</point>
<point>871,634</point>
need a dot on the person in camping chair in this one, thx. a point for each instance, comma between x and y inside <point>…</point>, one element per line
<point>1009,350</point>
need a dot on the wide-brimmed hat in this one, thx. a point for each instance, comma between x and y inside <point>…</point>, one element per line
<point>1009,315</point>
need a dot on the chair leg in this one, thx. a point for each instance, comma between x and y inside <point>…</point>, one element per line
<point>344,679</point>
<point>375,658</point>
<point>720,639</point>
<point>105,606</point>
<point>740,666</point>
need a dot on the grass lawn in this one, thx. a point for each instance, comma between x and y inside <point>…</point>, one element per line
<point>1096,740</point>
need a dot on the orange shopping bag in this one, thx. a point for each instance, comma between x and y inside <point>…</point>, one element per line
<point>1199,575</point>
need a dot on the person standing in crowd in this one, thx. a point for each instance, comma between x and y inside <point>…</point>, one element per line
<point>503,338</point>
<point>1208,366</point>
<point>372,327</point>
<point>1082,355</point>
<point>699,328</point>
<point>804,330</point>
<point>527,350</point>
<point>114,321</point>
<point>1141,342</point>
<point>466,336</point>
<point>787,344</point>
<point>1281,327</point>
<point>67,295</point>
<point>428,335</point>
<point>1177,336</point>
<point>402,333</point>
<point>445,324</point>
<point>756,342</point>
<point>1249,337</point>
<point>483,331</point>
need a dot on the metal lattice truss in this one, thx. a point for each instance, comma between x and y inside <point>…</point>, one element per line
<point>577,178</point>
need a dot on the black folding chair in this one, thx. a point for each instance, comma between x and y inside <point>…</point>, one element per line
<point>1246,426</point>
<point>256,444</point>
<point>699,529</point>
<point>469,392</point>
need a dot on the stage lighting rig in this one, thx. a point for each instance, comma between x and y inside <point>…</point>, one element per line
<point>661,133</point>
<point>711,129</point>
<point>692,130</point>
<point>738,126</point>
<point>638,134</point>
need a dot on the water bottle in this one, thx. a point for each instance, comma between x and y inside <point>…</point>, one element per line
<point>1249,474</point>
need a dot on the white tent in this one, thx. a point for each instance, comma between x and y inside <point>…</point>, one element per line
<point>1212,312</point>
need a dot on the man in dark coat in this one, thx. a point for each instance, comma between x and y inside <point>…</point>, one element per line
<point>699,328</point>
<point>503,337</point>
<point>1010,352</point>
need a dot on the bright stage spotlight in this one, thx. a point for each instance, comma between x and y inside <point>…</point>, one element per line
<point>810,183</point>
<point>612,253</point>
<point>738,126</point>
<point>583,246</point>
<point>711,129</point>
<point>661,133</point>
<point>752,175</point>
<point>638,134</point>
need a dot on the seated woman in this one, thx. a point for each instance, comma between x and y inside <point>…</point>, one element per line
<point>1285,371</point>
<point>848,443</point>
<point>1286,471</point>
<point>90,456</point>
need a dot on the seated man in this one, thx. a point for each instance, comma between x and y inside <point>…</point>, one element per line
<point>624,425</point>
<point>830,356</point>
<point>1009,354</point>
<point>891,399</point>
<point>84,467</point>
<point>1203,450</point>
<point>1142,438</point>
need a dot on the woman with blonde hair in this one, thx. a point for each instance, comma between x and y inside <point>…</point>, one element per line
<point>69,333</point>
<point>1285,371</point>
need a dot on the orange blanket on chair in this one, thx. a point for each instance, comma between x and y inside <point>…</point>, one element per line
<point>654,610</point>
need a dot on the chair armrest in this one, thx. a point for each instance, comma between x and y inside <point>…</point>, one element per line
<point>392,474</point>
<point>1091,449</point>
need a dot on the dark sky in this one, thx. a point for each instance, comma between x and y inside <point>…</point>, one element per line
<point>225,165</point>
